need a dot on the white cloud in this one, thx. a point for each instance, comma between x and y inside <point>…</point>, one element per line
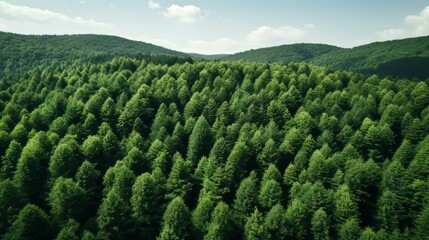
<point>280,34</point>
<point>391,33</point>
<point>264,36</point>
<point>415,25</point>
<point>153,5</point>
<point>83,2</point>
<point>19,13</point>
<point>309,26</point>
<point>420,23</point>
<point>185,14</point>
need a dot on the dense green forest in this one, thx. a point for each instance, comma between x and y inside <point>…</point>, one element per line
<point>407,58</point>
<point>132,148</point>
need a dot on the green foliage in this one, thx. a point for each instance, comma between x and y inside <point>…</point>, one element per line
<point>67,200</point>
<point>31,223</point>
<point>200,141</point>
<point>320,225</point>
<point>179,182</point>
<point>338,150</point>
<point>349,230</point>
<point>31,168</point>
<point>270,194</point>
<point>201,216</point>
<point>406,60</point>
<point>69,231</point>
<point>220,226</point>
<point>11,201</point>
<point>145,202</point>
<point>245,198</point>
<point>176,222</point>
<point>275,222</point>
<point>255,228</point>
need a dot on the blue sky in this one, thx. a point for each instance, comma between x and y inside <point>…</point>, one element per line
<point>222,26</point>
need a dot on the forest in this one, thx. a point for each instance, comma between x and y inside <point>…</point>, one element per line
<point>165,148</point>
<point>405,58</point>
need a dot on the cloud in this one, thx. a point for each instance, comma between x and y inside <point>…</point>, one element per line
<point>275,34</point>
<point>415,25</point>
<point>153,5</point>
<point>185,14</point>
<point>391,33</point>
<point>420,23</point>
<point>83,2</point>
<point>264,36</point>
<point>309,26</point>
<point>19,13</point>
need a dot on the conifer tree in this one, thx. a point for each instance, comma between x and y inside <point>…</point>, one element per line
<point>176,222</point>
<point>31,223</point>
<point>200,141</point>
<point>246,198</point>
<point>255,228</point>
<point>220,225</point>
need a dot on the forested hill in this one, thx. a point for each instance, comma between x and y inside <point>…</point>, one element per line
<point>399,58</point>
<point>301,52</point>
<point>23,52</point>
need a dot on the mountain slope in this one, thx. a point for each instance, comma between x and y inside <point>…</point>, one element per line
<point>23,52</point>
<point>401,58</point>
<point>398,58</point>
<point>301,52</point>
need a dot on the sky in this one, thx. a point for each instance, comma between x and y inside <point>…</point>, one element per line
<point>222,26</point>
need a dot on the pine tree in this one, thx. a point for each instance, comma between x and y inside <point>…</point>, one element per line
<point>270,194</point>
<point>64,161</point>
<point>31,171</point>
<point>345,206</point>
<point>368,234</point>
<point>246,198</point>
<point>298,219</point>
<point>10,160</point>
<point>220,225</point>
<point>90,180</point>
<point>67,200</point>
<point>146,203</point>
<point>201,216</point>
<point>176,222</point>
<point>114,217</point>
<point>349,230</point>
<point>200,141</point>
<point>31,223</point>
<point>69,231</point>
<point>275,222</point>
<point>11,201</point>
<point>268,155</point>
<point>255,228</point>
<point>179,182</point>
<point>421,224</point>
<point>320,225</point>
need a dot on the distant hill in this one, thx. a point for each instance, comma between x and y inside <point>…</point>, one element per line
<point>398,58</point>
<point>27,51</point>
<point>301,52</point>
<point>207,57</point>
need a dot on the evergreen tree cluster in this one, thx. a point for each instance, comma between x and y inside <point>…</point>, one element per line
<point>133,149</point>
